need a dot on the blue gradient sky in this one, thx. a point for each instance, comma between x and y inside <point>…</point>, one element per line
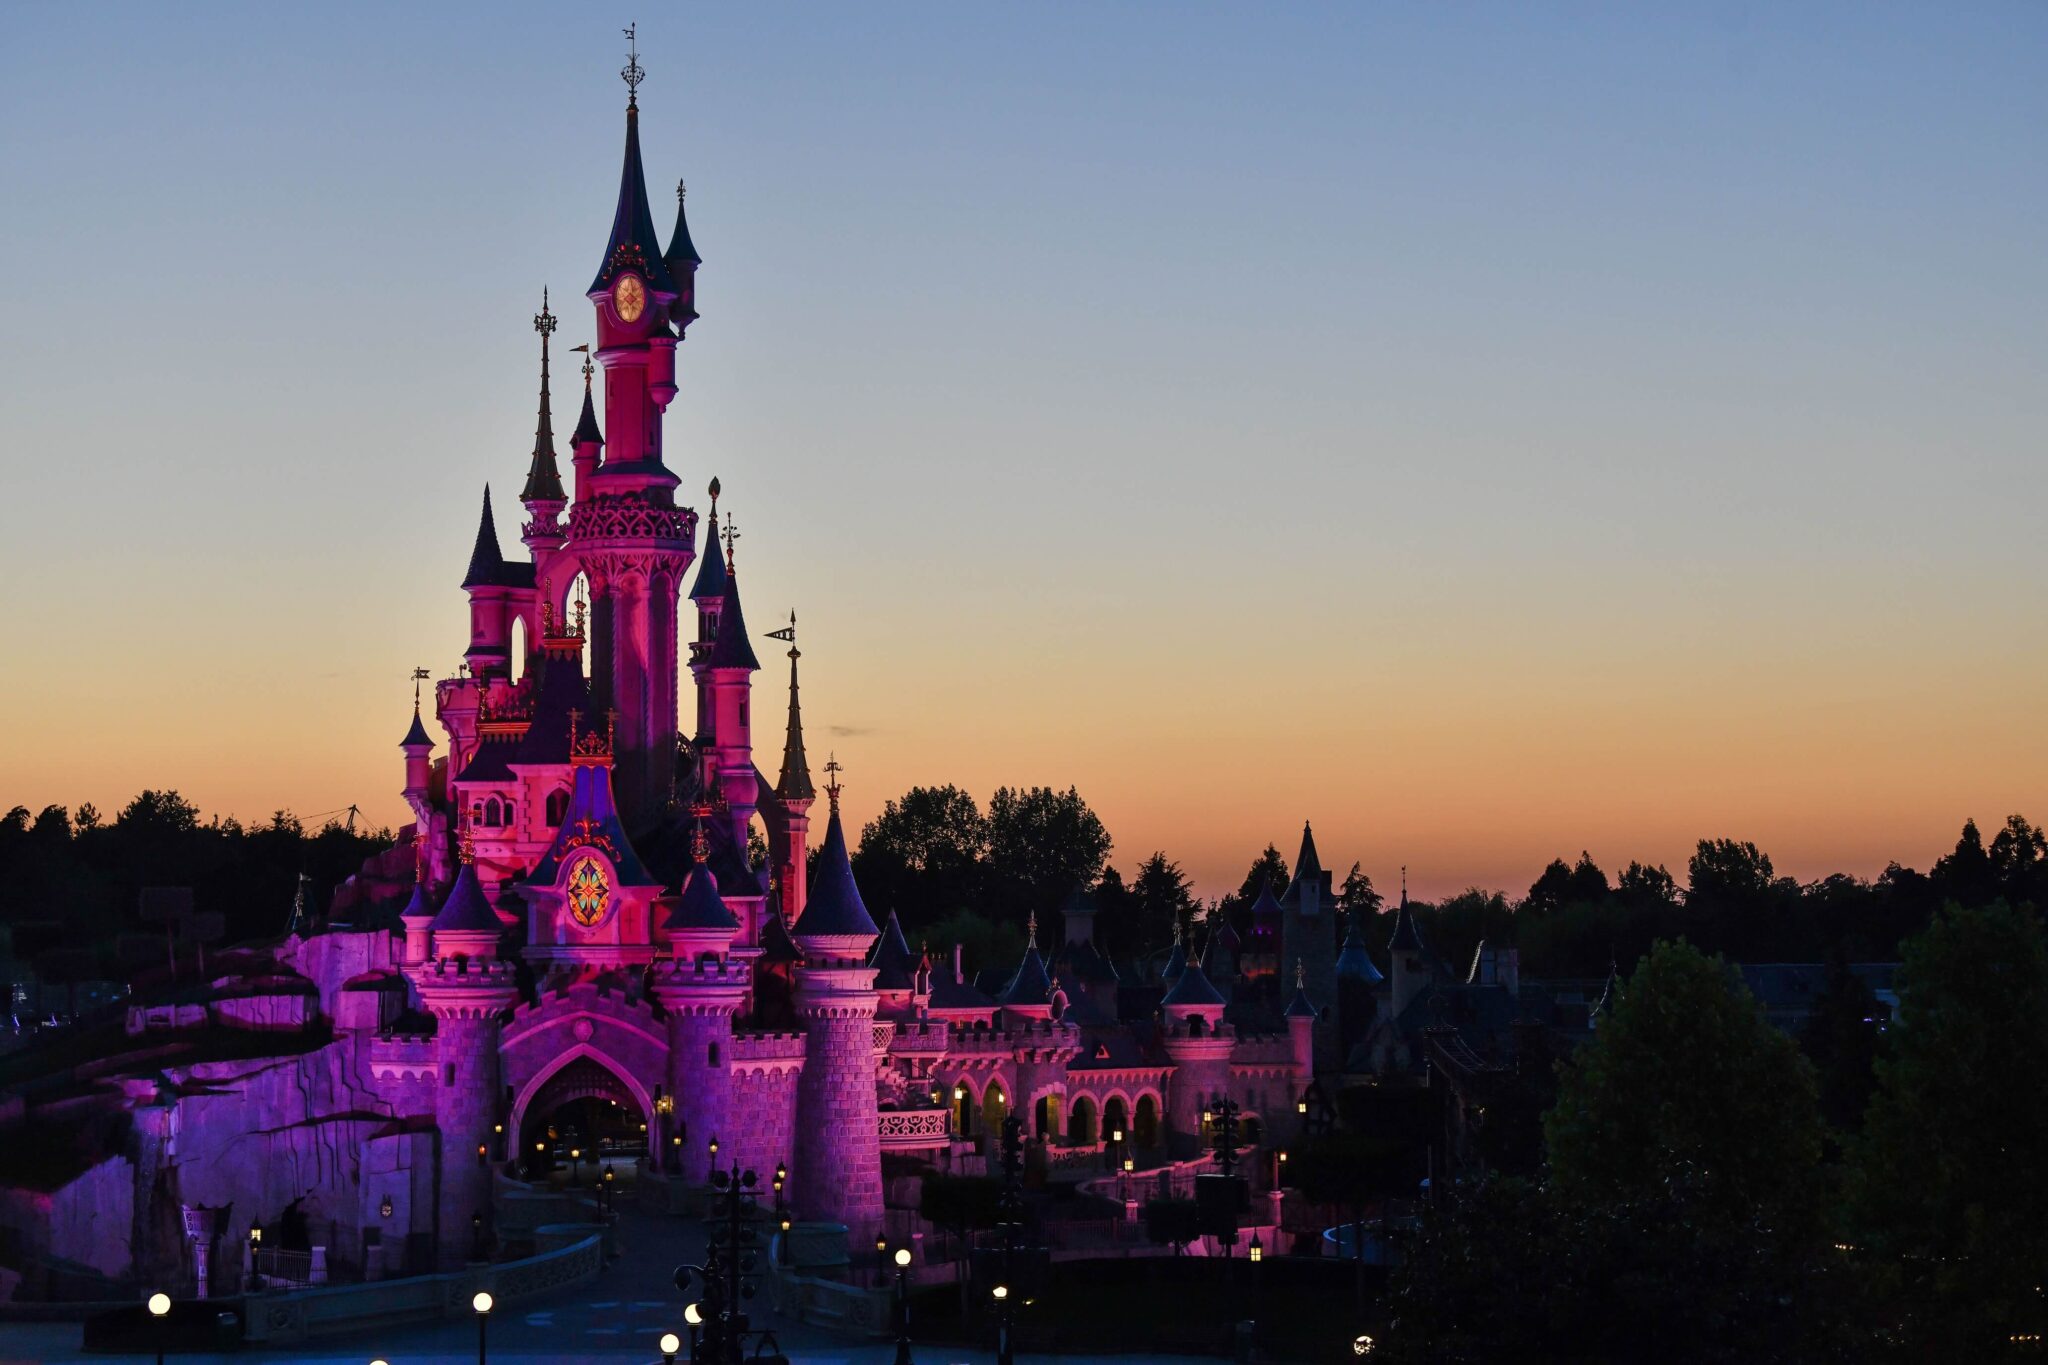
<point>1489,430</point>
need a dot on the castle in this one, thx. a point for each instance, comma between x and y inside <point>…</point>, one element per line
<point>580,917</point>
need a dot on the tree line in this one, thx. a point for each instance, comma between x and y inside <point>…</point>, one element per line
<point>71,882</point>
<point>954,872</point>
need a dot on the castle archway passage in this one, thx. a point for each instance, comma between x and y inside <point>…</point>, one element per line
<point>585,1106</point>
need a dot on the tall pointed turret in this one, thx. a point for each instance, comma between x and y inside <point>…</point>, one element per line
<point>794,784</point>
<point>682,261</point>
<point>543,490</point>
<point>586,443</point>
<point>633,244</point>
<point>486,560</point>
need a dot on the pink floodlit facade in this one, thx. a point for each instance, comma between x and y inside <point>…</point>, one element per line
<point>593,905</point>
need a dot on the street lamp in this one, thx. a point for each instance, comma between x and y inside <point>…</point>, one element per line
<point>159,1307</point>
<point>482,1304</point>
<point>1361,1345</point>
<point>611,1203</point>
<point>903,1306</point>
<point>670,1343</point>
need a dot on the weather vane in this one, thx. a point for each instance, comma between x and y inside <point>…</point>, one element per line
<point>832,771</point>
<point>544,322</point>
<point>787,635</point>
<point>631,73</point>
<point>420,675</point>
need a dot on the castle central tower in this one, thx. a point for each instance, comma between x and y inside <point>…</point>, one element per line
<point>625,531</point>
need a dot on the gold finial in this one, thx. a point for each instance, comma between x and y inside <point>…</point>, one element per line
<point>547,620</point>
<point>700,843</point>
<point>582,607</point>
<point>1031,929</point>
<point>732,533</point>
<point>468,845</point>
<point>832,771</point>
<point>1300,974</point>
<point>713,490</point>
<point>631,72</point>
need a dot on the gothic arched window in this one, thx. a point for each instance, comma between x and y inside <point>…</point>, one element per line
<point>558,809</point>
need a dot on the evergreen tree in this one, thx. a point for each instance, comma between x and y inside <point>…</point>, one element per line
<point>1268,869</point>
<point>1160,899</point>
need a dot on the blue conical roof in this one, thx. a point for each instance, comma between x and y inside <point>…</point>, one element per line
<point>835,909</point>
<point>1352,958</point>
<point>633,242</point>
<point>711,580</point>
<point>417,736</point>
<point>486,560</point>
<point>895,969</point>
<point>1193,988</point>
<point>1031,984</point>
<point>732,648</point>
<point>421,906</point>
<point>586,432</point>
<point>467,909</point>
<point>1406,938</point>
<point>701,907</point>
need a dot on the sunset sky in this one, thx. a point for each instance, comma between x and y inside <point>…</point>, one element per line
<point>1489,431</point>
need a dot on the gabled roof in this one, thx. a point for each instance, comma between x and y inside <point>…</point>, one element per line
<point>1193,988</point>
<point>467,909</point>
<point>489,762</point>
<point>592,821</point>
<point>700,906</point>
<point>835,909</point>
<point>732,648</point>
<point>486,560</point>
<point>949,992</point>
<point>895,968</point>
<point>417,736</point>
<point>562,690</point>
<point>633,241</point>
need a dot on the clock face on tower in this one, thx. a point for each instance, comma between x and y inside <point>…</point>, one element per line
<point>629,298</point>
<point>590,891</point>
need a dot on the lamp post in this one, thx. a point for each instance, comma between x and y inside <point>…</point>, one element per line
<point>903,1306</point>
<point>575,1165</point>
<point>482,1304</point>
<point>670,1344</point>
<point>881,1262</point>
<point>159,1308</point>
<point>611,1202</point>
<point>693,1318</point>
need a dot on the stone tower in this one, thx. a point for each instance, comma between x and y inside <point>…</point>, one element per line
<point>631,540</point>
<point>467,989</point>
<point>839,1166</point>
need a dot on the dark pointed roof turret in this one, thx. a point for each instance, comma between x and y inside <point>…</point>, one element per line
<point>486,560</point>
<point>1193,988</point>
<point>1353,959</point>
<point>700,906</point>
<point>633,243</point>
<point>1030,984</point>
<point>1300,1007</point>
<point>1406,937</point>
<point>895,968</point>
<point>586,432</point>
<point>834,910</point>
<point>711,576</point>
<point>467,910</point>
<point>795,782</point>
<point>681,255</point>
<point>732,648</point>
<point>543,476</point>
<point>417,737</point>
